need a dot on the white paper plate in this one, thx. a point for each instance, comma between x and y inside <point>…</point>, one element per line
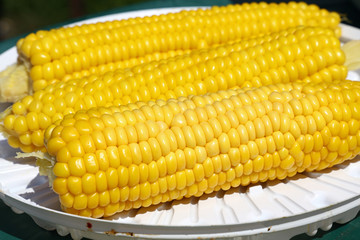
<point>275,210</point>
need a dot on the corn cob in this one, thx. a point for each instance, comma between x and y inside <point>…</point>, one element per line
<point>135,28</point>
<point>308,54</point>
<point>263,18</point>
<point>108,163</point>
<point>61,54</point>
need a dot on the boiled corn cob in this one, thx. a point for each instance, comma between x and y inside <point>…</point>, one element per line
<point>135,28</point>
<point>108,163</point>
<point>311,54</point>
<point>61,54</point>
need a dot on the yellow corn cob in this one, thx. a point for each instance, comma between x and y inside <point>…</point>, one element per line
<point>263,18</point>
<point>108,163</point>
<point>57,54</point>
<point>301,55</point>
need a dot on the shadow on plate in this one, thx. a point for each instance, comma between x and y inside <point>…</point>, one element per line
<point>220,194</point>
<point>41,193</point>
<point>9,154</point>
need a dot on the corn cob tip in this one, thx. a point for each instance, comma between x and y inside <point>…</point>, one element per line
<point>352,53</point>
<point>14,83</point>
<point>3,115</point>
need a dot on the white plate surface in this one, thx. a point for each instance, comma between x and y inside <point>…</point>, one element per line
<point>275,210</point>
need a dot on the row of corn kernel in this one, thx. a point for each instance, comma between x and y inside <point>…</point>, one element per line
<point>112,66</point>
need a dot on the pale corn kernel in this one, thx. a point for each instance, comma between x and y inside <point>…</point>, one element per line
<point>225,162</point>
<point>102,159</point>
<point>88,183</point>
<point>90,161</point>
<point>20,125</point>
<point>153,174</point>
<point>60,186</point>
<point>135,153</point>
<point>171,163</point>
<point>171,182</point>
<point>163,185</point>
<point>80,202</point>
<point>134,175</point>
<point>104,198</point>
<point>212,148</point>
<point>164,143</point>
<point>206,127</point>
<point>66,200</point>
<point>181,160</point>
<point>161,164</point>
<point>123,174</point>
<point>224,143</point>
<point>217,164</point>
<point>190,157</point>
<point>101,181</point>
<point>74,184</point>
<point>61,170</point>
<point>25,139</point>
<point>76,166</point>
<point>199,135</point>
<point>112,178</point>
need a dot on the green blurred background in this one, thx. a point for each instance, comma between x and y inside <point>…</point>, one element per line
<point>22,16</point>
<point>19,17</point>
